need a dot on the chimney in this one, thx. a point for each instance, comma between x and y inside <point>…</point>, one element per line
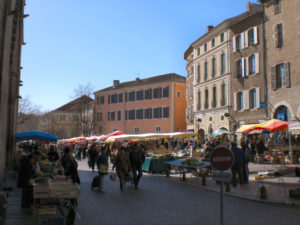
<point>248,6</point>
<point>209,28</point>
<point>116,83</point>
<point>137,79</point>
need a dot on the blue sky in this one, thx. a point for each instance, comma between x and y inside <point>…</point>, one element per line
<point>72,42</point>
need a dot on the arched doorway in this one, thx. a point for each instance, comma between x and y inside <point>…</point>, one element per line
<point>283,113</point>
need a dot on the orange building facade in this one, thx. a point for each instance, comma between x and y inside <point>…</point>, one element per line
<point>152,105</point>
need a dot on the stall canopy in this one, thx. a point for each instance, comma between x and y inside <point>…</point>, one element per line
<point>35,135</point>
<point>270,125</point>
<point>294,126</point>
<point>245,128</point>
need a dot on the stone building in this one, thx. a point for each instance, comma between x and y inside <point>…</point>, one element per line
<point>189,113</point>
<point>150,105</point>
<point>211,79</point>
<point>248,81</point>
<point>11,41</point>
<point>282,40</point>
<point>76,118</point>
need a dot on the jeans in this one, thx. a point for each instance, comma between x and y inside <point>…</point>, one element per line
<point>136,176</point>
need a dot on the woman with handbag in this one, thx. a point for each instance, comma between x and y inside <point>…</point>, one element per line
<point>102,162</point>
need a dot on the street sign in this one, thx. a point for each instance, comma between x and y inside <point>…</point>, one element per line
<point>221,158</point>
<point>261,105</point>
<point>221,176</point>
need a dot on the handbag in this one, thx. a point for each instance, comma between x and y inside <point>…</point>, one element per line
<point>103,168</point>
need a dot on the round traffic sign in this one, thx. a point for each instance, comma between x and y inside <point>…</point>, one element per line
<point>221,158</point>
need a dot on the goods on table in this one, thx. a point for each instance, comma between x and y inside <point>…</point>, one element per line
<point>192,162</point>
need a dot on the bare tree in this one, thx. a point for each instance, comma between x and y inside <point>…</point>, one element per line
<point>27,110</point>
<point>82,90</point>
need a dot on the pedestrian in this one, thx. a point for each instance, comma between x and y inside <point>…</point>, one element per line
<point>102,164</point>
<point>92,156</point>
<point>70,165</point>
<point>246,151</point>
<point>137,158</point>
<point>123,165</point>
<point>238,164</point>
<point>27,172</point>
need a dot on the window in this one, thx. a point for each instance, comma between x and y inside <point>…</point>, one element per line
<point>213,69</point>
<point>206,99</point>
<point>213,43</point>
<point>166,112</point>
<point>126,96</point>
<point>101,100</point>
<point>120,98</point>
<point>223,91</point>
<point>277,6</point>
<point>199,100</point>
<point>205,47</point>
<point>157,113</point>
<point>240,68</point>
<point>278,35</point>
<point>119,115</point>
<point>140,95</point>
<point>239,42</point>
<point>192,70</point>
<point>251,36</point>
<point>165,92</point>
<point>131,114</point>
<point>108,99</point>
<point>157,93</point>
<point>113,99</point>
<point>223,65</point>
<point>126,115</point>
<point>148,94</point>
<point>99,116</point>
<point>253,102</point>
<point>178,94</point>
<point>252,64</point>
<point>214,100</point>
<point>205,71</point>
<point>75,117</point>
<point>198,51</point>
<point>148,113</point>
<point>136,130</point>
<point>131,97</point>
<point>280,76</point>
<point>222,37</point>
<point>62,117</point>
<point>157,129</point>
<point>198,74</point>
<point>240,101</point>
<point>139,114</point>
<point>111,116</point>
<point>100,130</point>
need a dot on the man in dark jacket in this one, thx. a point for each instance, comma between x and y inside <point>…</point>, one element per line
<point>123,165</point>
<point>137,158</point>
<point>238,163</point>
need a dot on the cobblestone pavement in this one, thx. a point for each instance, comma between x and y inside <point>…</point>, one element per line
<point>164,201</point>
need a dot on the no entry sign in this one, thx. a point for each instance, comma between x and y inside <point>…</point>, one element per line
<point>221,158</point>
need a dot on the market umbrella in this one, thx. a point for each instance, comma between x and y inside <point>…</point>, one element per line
<point>270,125</point>
<point>35,135</point>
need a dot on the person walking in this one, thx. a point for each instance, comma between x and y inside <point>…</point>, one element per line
<point>70,165</point>
<point>238,164</point>
<point>137,158</point>
<point>102,164</point>
<point>123,165</point>
<point>92,156</point>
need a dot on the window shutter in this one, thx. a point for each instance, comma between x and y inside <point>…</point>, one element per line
<point>242,40</point>
<point>234,102</point>
<point>256,62</point>
<point>246,39</point>
<point>234,44</point>
<point>276,39</point>
<point>255,35</point>
<point>246,99</point>
<point>243,67</point>
<point>257,98</point>
<point>273,76</point>
<point>246,66</point>
<point>287,74</point>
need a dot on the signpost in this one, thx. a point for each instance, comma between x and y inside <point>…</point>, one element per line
<point>221,159</point>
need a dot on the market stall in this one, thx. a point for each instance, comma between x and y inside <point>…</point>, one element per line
<point>35,135</point>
